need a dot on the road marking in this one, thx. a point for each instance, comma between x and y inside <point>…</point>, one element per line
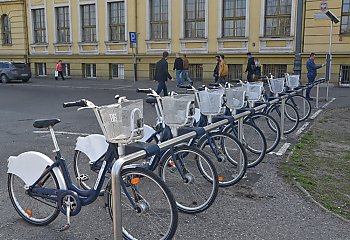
<point>283,149</point>
<point>332,100</point>
<point>302,128</point>
<point>100,87</point>
<point>315,114</point>
<point>63,133</point>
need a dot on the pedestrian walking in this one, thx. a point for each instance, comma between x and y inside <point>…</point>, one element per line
<point>186,66</point>
<point>216,69</point>
<point>223,70</point>
<point>250,67</point>
<point>178,67</point>
<point>311,73</point>
<point>162,74</point>
<point>58,71</point>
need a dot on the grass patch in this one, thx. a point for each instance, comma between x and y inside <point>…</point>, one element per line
<point>321,163</point>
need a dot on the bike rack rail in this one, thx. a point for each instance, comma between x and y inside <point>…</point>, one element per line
<point>118,165</point>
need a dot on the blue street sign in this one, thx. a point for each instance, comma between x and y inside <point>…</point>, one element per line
<point>132,36</point>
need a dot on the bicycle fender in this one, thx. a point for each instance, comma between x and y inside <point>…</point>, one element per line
<point>30,165</point>
<point>94,146</point>
<point>148,131</point>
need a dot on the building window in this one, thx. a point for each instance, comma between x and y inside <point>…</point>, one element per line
<point>88,23</point>
<point>6,29</point>
<point>89,70</point>
<point>195,18</point>
<point>277,70</point>
<point>234,72</point>
<point>116,71</point>
<point>278,17</point>
<point>345,17</point>
<point>159,19</point>
<point>345,74</point>
<point>63,25</point>
<point>66,69</point>
<point>195,72</point>
<point>152,71</point>
<point>116,21</point>
<point>40,69</point>
<point>39,25</point>
<point>234,18</point>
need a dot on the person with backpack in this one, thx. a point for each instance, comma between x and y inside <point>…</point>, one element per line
<point>186,66</point>
<point>216,69</point>
<point>178,67</point>
<point>223,70</point>
<point>250,70</point>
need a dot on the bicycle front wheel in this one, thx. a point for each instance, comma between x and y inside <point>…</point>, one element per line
<point>34,210</point>
<point>148,207</point>
<point>228,156</point>
<point>270,128</point>
<point>291,120</point>
<point>253,141</point>
<point>182,171</point>
<point>301,104</point>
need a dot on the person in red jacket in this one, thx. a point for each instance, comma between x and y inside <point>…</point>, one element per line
<point>59,70</point>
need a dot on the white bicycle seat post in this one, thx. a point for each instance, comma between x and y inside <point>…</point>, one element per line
<point>53,136</point>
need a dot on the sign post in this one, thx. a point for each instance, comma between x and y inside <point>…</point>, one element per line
<point>133,40</point>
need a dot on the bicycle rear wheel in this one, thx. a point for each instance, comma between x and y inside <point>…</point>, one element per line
<point>229,153</point>
<point>302,105</point>
<point>34,210</point>
<point>148,207</point>
<point>270,128</point>
<point>291,120</point>
<point>254,142</point>
<point>194,191</point>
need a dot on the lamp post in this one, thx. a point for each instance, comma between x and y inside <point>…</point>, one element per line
<point>335,20</point>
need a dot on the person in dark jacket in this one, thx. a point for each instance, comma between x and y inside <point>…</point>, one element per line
<point>250,67</point>
<point>162,74</point>
<point>311,73</point>
<point>216,69</point>
<point>178,67</point>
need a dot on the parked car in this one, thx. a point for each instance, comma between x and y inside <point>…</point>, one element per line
<point>14,71</point>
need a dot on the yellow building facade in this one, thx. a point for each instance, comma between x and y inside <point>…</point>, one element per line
<point>92,36</point>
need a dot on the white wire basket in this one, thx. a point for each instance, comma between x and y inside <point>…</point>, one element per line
<point>178,110</point>
<point>293,81</point>
<point>235,98</point>
<point>122,122</point>
<point>254,91</point>
<point>276,85</point>
<point>212,102</point>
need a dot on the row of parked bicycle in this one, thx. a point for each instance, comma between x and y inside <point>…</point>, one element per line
<point>185,177</point>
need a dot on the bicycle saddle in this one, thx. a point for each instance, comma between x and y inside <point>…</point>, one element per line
<point>44,123</point>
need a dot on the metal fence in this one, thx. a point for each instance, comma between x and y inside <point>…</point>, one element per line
<point>195,72</point>
<point>344,75</point>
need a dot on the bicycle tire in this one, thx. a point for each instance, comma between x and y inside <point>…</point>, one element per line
<point>32,212</point>
<point>150,186</point>
<point>254,142</point>
<point>270,128</point>
<point>184,189</point>
<point>301,104</point>
<point>226,164</point>
<point>291,123</point>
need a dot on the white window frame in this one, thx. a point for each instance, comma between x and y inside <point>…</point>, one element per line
<point>125,20</point>
<point>43,68</point>
<point>148,20</point>
<point>57,5</point>
<point>32,22</point>
<point>91,70</point>
<point>182,24</point>
<point>292,20</point>
<point>66,72</point>
<point>81,3</point>
<point>220,16</point>
<point>120,68</point>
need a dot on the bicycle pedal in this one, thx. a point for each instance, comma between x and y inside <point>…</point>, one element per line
<point>63,228</point>
<point>83,177</point>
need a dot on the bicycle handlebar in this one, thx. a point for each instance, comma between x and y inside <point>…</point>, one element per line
<point>79,103</point>
<point>144,90</point>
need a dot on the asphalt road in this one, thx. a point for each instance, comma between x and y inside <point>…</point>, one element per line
<point>261,207</point>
